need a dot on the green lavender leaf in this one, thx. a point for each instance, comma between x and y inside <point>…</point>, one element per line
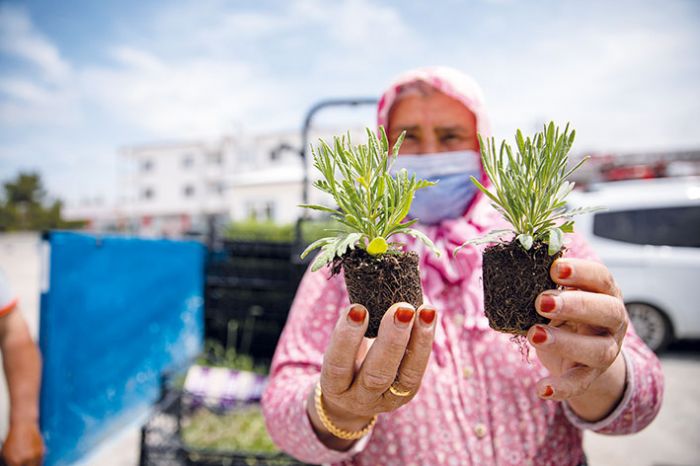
<point>493,236</point>
<point>525,240</point>
<point>421,236</point>
<point>529,186</point>
<point>567,227</point>
<point>556,240</point>
<point>371,201</point>
<point>319,207</point>
<point>315,245</point>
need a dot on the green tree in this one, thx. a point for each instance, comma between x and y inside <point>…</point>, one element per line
<point>25,206</point>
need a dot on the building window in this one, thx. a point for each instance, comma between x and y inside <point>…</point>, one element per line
<point>277,152</point>
<point>147,165</point>
<point>216,188</point>
<point>269,211</point>
<point>188,191</point>
<point>147,193</point>
<point>261,211</point>
<point>187,161</point>
<point>215,158</point>
<point>670,226</point>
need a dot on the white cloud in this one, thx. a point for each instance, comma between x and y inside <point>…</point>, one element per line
<point>43,96</point>
<point>131,58</point>
<point>209,87</point>
<point>19,89</point>
<point>189,97</point>
<point>357,25</point>
<point>18,37</point>
<point>202,68</point>
<point>28,104</point>
<point>620,83</point>
<point>252,25</point>
<point>216,26</point>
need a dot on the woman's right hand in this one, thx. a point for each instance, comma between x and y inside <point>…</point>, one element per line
<point>357,372</point>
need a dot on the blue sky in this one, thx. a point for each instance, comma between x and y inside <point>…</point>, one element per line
<point>78,80</point>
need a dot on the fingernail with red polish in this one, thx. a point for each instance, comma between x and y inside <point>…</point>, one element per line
<point>357,315</point>
<point>548,391</point>
<point>403,316</point>
<point>540,335</point>
<point>427,315</point>
<point>547,303</point>
<point>564,270</point>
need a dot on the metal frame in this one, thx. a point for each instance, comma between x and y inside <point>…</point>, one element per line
<point>304,151</point>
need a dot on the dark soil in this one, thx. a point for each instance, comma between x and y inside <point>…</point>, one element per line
<point>513,277</point>
<point>379,282</point>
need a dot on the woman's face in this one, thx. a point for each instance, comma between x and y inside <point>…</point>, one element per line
<point>433,123</point>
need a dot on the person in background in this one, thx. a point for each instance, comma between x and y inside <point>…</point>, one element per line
<point>438,386</point>
<point>23,445</point>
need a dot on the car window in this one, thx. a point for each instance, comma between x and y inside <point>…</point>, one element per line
<point>672,226</point>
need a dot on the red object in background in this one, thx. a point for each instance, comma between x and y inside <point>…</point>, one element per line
<point>633,172</point>
<point>146,220</point>
<point>185,222</point>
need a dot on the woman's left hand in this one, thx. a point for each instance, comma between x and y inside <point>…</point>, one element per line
<point>581,345</point>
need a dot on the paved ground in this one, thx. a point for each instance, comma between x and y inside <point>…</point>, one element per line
<point>672,440</point>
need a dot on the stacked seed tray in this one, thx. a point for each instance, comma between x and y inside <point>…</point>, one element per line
<point>215,419</point>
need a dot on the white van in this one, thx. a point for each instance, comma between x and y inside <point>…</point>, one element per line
<point>649,237</point>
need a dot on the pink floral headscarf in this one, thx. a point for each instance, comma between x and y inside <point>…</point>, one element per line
<point>449,81</point>
<point>446,272</point>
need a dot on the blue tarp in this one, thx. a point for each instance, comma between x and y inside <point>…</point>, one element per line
<point>117,314</point>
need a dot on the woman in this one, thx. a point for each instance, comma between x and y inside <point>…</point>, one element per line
<point>447,388</point>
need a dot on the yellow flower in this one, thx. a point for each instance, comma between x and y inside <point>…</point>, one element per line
<point>377,246</point>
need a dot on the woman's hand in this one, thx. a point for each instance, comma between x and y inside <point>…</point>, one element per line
<point>581,345</point>
<point>357,372</point>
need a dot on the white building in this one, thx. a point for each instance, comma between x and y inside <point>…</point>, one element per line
<point>171,189</point>
<point>268,185</point>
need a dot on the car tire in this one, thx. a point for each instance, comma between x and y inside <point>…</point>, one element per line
<point>651,324</point>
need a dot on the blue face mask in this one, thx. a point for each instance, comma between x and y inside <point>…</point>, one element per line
<point>450,197</point>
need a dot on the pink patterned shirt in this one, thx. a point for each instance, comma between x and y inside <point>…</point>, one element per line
<point>477,404</point>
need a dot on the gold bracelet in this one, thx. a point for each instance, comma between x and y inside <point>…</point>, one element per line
<point>340,433</point>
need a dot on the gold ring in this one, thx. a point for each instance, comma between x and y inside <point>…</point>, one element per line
<point>398,392</point>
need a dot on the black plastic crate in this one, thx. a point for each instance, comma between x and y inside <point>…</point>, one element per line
<point>250,287</point>
<point>162,445</point>
<point>239,303</point>
<point>257,340</point>
<point>253,267</point>
<point>160,442</point>
<point>258,249</point>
